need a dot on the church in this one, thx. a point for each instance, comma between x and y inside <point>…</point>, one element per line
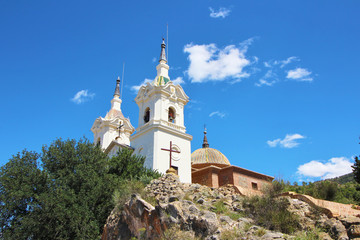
<point>162,139</point>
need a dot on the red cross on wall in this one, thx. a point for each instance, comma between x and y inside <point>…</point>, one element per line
<point>171,151</point>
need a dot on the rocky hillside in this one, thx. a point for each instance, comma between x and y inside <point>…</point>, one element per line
<point>173,210</point>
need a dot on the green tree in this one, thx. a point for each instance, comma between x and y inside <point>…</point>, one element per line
<point>21,185</point>
<point>65,192</point>
<point>356,169</point>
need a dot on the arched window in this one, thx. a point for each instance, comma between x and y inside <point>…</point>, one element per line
<point>98,141</point>
<point>171,115</point>
<point>147,115</point>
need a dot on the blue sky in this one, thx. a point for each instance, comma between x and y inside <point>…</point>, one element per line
<point>276,82</point>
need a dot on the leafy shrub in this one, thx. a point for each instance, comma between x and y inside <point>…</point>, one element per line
<point>271,212</point>
<point>313,234</point>
<point>175,233</point>
<point>125,190</point>
<point>231,234</point>
<point>235,215</point>
<point>220,207</point>
<point>260,232</point>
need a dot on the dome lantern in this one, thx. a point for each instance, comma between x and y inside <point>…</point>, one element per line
<point>207,155</point>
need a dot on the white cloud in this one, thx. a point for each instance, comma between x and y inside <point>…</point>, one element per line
<point>331,168</point>
<point>287,61</point>
<point>288,142</point>
<point>276,67</point>
<point>178,81</point>
<point>209,63</point>
<point>222,12</point>
<point>82,96</point>
<point>269,79</point>
<point>267,64</point>
<point>174,68</point>
<point>299,74</point>
<point>194,104</point>
<point>137,87</point>
<point>244,45</point>
<point>265,82</point>
<point>282,63</point>
<point>217,113</point>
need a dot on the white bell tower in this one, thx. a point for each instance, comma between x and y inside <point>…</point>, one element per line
<point>113,131</point>
<point>161,120</point>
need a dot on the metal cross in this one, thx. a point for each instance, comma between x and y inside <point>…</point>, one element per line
<point>121,125</point>
<point>171,151</point>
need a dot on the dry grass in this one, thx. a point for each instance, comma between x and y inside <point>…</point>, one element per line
<point>175,233</point>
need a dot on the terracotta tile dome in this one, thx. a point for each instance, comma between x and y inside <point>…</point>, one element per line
<point>208,155</point>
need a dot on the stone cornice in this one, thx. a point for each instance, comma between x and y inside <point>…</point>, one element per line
<point>113,123</point>
<point>178,94</point>
<point>158,126</point>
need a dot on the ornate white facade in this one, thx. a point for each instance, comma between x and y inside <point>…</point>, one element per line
<point>161,120</point>
<point>107,131</point>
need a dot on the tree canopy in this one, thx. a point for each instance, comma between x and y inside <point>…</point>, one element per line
<point>65,192</point>
<point>356,169</point>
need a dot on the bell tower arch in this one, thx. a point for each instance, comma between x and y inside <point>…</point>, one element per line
<point>161,120</point>
<point>113,131</point>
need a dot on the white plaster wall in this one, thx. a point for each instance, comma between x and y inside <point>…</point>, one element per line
<point>108,136</point>
<point>162,70</point>
<point>162,157</point>
<point>105,135</point>
<point>153,140</point>
<point>158,107</point>
<point>144,142</point>
<point>142,107</point>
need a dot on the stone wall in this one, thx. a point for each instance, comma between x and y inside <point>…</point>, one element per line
<point>249,183</point>
<point>246,181</point>
<point>206,176</point>
<point>332,209</point>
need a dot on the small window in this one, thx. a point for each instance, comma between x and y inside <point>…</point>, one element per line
<point>254,186</point>
<point>98,142</point>
<point>147,115</point>
<point>171,115</point>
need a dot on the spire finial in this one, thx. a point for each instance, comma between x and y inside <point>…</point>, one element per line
<point>162,54</point>
<point>117,88</point>
<point>205,142</point>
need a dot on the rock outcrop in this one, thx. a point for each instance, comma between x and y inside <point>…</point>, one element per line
<point>185,211</point>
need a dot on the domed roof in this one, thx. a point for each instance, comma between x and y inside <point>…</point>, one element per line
<point>208,155</point>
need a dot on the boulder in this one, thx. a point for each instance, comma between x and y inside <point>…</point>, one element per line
<point>324,236</point>
<point>335,229</point>
<point>226,220</point>
<point>272,235</point>
<point>354,231</point>
<point>347,221</point>
<point>205,225</point>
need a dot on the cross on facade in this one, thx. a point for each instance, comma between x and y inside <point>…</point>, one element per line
<point>121,125</point>
<point>171,151</point>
